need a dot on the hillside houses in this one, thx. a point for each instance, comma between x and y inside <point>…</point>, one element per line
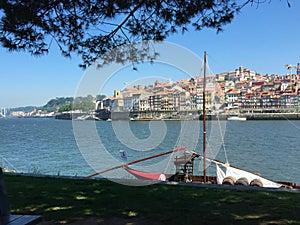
<point>241,89</point>
<point>263,92</point>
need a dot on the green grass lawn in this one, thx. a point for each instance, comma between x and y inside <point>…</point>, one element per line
<point>66,200</point>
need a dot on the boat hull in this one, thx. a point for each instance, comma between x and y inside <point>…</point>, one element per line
<point>197,179</point>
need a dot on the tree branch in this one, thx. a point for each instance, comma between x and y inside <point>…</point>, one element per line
<point>126,19</point>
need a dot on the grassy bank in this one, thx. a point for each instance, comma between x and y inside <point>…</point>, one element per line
<point>68,200</point>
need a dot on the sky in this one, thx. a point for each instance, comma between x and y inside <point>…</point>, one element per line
<point>262,38</point>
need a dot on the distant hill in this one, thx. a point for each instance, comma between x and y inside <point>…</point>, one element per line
<point>23,109</point>
<point>63,104</point>
<point>54,104</point>
<point>51,105</point>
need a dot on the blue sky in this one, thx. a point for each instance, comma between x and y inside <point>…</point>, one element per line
<point>263,38</point>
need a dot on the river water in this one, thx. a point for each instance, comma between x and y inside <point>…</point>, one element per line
<point>78,148</point>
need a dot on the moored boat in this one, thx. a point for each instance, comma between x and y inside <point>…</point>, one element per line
<point>228,175</point>
<point>237,118</point>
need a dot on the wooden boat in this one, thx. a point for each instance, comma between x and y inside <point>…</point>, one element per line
<point>184,165</point>
<point>232,175</point>
<point>184,173</point>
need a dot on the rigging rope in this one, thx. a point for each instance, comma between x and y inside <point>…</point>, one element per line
<point>222,139</point>
<point>9,163</point>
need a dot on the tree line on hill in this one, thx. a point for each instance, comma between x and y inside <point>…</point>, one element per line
<point>65,104</point>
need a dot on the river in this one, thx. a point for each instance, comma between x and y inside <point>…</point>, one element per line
<point>60,147</point>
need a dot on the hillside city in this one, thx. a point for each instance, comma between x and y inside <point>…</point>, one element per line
<point>240,90</point>
<point>237,92</point>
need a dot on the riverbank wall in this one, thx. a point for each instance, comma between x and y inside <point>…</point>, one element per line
<point>272,116</point>
<point>249,116</point>
<point>255,116</point>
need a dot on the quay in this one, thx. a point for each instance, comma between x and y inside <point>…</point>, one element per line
<point>256,116</point>
<point>191,116</point>
<point>272,116</point>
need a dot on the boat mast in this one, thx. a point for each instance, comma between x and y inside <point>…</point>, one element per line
<point>204,118</point>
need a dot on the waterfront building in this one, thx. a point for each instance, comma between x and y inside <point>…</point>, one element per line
<point>266,100</point>
<point>128,103</point>
<point>183,100</point>
<point>155,102</point>
<point>166,103</point>
<point>288,100</point>
<point>176,99</point>
<point>232,97</point>
<point>136,101</point>
<point>275,101</point>
<point>144,104</point>
<point>118,103</point>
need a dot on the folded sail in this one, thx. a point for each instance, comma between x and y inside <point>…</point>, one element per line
<point>220,174</point>
<point>239,173</point>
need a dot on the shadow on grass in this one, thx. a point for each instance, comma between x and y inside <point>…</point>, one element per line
<point>67,200</point>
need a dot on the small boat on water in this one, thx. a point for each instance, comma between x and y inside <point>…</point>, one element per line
<point>184,165</point>
<point>236,118</point>
<point>141,119</point>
